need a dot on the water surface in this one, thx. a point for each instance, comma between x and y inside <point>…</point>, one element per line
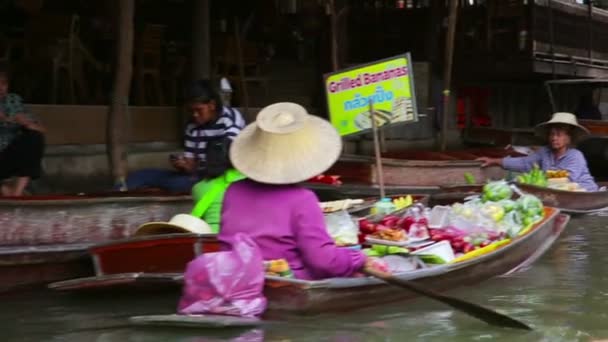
<point>564,296</point>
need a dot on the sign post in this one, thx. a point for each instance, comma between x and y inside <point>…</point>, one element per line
<point>377,154</point>
<point>372,96</point>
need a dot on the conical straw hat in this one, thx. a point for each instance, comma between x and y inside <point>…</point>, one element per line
<point>285,145</point>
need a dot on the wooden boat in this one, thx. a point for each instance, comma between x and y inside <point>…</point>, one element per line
<point>416,171</point>
<point>137,261</point>
<point>340,294</point>
<point>66,219</point>
<point>45,238</point>
<point>304,297</point>
<point>567,201</point>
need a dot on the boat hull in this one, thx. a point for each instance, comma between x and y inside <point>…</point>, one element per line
<point>341,294</point>
<point>571,202</point>
<point>347,294</point>
<point>33,266</point>
<point>39,220</point>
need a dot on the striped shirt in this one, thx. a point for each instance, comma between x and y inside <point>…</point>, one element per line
<point>228,125</point>
<point>572,161</point>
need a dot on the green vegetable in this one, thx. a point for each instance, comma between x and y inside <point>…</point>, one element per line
<point>469,178</point>
<point>431,259</point>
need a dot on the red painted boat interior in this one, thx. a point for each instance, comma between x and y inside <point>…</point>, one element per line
<point>152,256</point>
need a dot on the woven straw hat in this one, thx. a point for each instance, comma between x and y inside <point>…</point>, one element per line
<point>180,223</point>
<point>562,119</point>
<point>285,145</point>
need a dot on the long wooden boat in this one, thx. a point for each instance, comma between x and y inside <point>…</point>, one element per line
<point>45,238</point>
<point>420,171</point>
<point>138,260</point>
<point>570,202</point>
<point>341,294</point>
<point>306,297</point>
<point>66,219</point>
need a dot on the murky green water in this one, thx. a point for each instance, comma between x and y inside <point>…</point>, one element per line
<point>564,296</point>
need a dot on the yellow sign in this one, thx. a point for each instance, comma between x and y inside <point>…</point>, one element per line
<point>388,83</point>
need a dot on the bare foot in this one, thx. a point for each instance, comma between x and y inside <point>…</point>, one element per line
<point>20,185</point>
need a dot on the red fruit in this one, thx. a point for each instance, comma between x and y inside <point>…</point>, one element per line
<point>485,243</point>
<point>468,248</point>
<point>438,237</point>
<point>457,246</point>
<point>423,221</point>
<point>389,221</point>
<point>407,222</point>
<point>456,239</point>
<point>363,223</point>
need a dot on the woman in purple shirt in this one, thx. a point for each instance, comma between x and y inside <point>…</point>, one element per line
<point>284,147</point>
<point>561,130</point>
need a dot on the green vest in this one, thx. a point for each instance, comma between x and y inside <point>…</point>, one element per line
<point>208,197</point>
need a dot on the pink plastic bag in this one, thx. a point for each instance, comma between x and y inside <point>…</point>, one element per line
<point>225,283</point>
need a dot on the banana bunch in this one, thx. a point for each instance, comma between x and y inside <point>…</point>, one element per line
<point>535,177</point>
<point>558,174</point>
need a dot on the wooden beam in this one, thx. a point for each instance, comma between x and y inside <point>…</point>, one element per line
<point>201,40</point>
<point>447,78</point>
<point>116,128</point>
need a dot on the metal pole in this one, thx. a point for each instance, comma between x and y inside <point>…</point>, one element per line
<point>377,152</point>
<point>449,58</point>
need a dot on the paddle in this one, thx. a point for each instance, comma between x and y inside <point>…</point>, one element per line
<point>489,316</point>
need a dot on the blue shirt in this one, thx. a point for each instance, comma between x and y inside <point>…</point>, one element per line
<point>572,161</point>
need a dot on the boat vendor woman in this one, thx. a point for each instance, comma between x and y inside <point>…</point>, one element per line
<point>212,126</point>
<point>21,142</point>
<point>284,147</point>
<point>561,130</point>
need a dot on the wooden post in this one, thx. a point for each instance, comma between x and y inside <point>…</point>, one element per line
<point>447,79</point>
<point>201,40</point>
<point>590,28</point>
<point>116,128</point>
<point>334,35</point>
<point>377,152</point>
<point>239,54</point>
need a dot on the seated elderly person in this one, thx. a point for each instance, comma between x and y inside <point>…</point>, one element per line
<point>560,131</point>
<point>21,142</point>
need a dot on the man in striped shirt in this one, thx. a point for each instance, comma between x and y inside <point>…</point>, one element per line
<point>207,138</point>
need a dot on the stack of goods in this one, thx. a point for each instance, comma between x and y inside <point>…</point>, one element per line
<point>554,179</point>
<point>422,237</point>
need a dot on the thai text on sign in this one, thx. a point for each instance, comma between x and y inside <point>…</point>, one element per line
<point>387,83</point>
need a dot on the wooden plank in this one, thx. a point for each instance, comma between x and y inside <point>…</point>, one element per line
<point>196,321</point>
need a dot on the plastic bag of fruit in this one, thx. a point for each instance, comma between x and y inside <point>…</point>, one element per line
<point>531,209</point>
<point>511,224</point>
<point>496,191</point>
<point>341,227</point>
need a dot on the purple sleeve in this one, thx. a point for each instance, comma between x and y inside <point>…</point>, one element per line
<point>522,164</point>
<point>319,252</point>
<point>576,165</point>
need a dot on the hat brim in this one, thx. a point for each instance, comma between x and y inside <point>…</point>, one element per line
<point>286,158</point>
<point>158,228</point>
<point>542,129</point>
